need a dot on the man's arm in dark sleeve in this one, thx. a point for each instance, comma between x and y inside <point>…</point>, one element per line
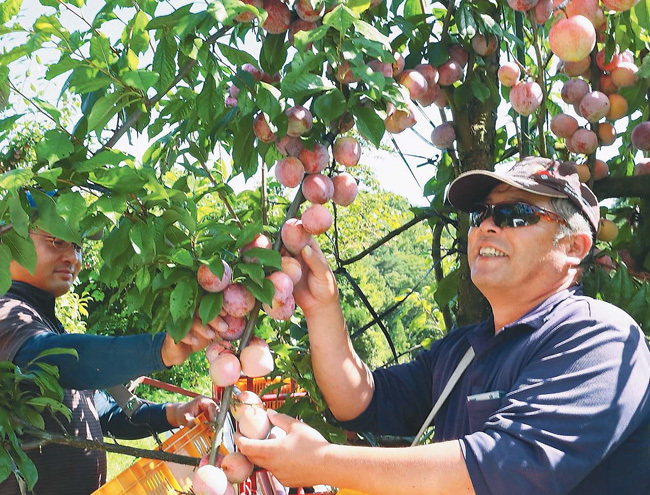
<point>148,418</point>
<point>103,361</point>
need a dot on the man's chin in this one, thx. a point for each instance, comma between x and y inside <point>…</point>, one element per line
<point>58,290</point>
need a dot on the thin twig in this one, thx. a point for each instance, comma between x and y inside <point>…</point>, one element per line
<point>415,220</point>
<point>366,302</point>
<point>396,305</point>
<point>404,159</point>
<point>222,196</point>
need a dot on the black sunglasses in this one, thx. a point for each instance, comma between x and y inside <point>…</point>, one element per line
<point>511,215</point>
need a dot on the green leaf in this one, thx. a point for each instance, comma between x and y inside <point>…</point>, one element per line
<point>243,150</point>
<point>340,18</point>
<point>143,279</point>
<point>51,175</point>
<point>101,51</point>
<point>18,216</point>
<point>247,234</point>
<point>55,351</point>
<point>268,100</point>
<point>302,38</point>
<point>447,288</point>
<point>183,257</point>
<point>179,329</point>
<point>8,9</point>
<point>104,109</point>
<point>297,85</point>
<point>330,105</point>
<point>371,33</point>
<point>15,179</point>
<point>170,20</point>
<point>412,7</point>
<point>480,90</point>
<point>140,79</point>
<point>5,465</point>
<point>72,207</point>
<point>54,146</point>
<point>48,108</point>
<point>210,306</point>
<point>5,276</point>
<point>182,299</point>
<point>635,95</point>
<point>369,124</point>
<point>26,468</point>
<point>358,6</point>
<point>22,249</point>
<point>7,123</point>
<point>465,20</point>
<point>273,53</point>
<point>253,270</point>
<point>266,257</point>
<point>50,220</point>
<point>164,60</point>
<point>209,100</point>
<point>106,157</point>
<point>235,56</point>
<point>89,85</point>
<point>642,12</point>
<point>51,404</point>
<point>262,293</point>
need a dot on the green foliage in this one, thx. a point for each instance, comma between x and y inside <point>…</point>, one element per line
<point>25,396</point>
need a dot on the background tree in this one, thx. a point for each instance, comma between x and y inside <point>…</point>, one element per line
<point>226,89</point>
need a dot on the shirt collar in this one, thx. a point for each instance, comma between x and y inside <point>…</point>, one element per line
<point>482,336</point>
<point>42,301</point>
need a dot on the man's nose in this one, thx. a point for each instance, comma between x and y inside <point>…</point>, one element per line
<point>71,254</point>
<point>488,225</point>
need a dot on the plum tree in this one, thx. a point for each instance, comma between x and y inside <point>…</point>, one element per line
<point>216,112</point>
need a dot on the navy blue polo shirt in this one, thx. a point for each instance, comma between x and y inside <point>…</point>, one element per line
<point>558,402</point>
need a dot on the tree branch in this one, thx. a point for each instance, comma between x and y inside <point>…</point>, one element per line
<point>83,443</point>
<point>342,271</point>
<point>439,274</point>
<point>415,220</point>
<point>637,186</point>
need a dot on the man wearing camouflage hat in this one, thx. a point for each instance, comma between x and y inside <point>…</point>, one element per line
<point>552,393</point>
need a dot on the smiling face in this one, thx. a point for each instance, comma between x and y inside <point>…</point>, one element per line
<point>56,269</point>
<point>509,265</point>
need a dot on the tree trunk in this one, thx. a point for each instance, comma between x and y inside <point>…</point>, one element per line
<point>476,130</point>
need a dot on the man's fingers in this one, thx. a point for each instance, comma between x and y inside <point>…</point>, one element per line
<point>281,420</point>
<point>314,258</point>
<point>255,450</point>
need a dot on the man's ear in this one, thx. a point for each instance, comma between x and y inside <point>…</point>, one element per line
<point>578,246</point>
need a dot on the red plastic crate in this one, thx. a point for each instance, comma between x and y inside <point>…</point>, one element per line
<point>271,400</point>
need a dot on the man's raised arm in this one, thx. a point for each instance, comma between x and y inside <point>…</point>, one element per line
<point>343,378</point>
